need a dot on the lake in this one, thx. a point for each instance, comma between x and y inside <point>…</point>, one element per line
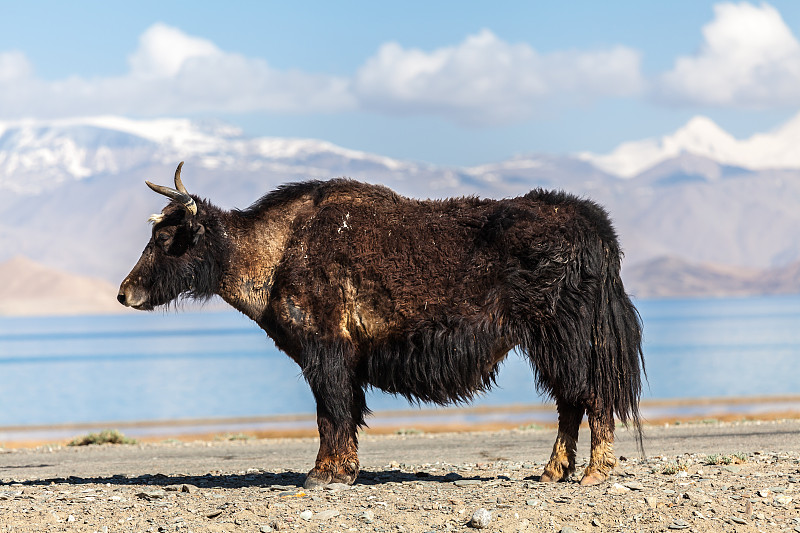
<point>220,365</point>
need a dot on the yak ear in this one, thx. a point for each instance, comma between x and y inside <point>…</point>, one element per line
<point>198,230</point>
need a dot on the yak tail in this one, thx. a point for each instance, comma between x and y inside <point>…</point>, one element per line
<point>617,342</point>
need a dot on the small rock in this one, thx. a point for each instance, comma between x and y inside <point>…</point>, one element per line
<point>367,516</point>
<point>533,502</point>
<point>596,522</point>
<point>763,493</point>
<point>738,520</point>
<point>306,515</point>
<point>733,469</point>
<point>782,500</point>
<point>568,529</point>
<point>616,488</point>
<point>634,485</point>
<point>70,518</point>
<point>678,524</point>
<point>335,487</point>
<point>214,514</point>
<point>326,515</point>
<point>697,497</point>
<point>466,482</point>
<point>651,501</point>
<point>480,518</point>
<point>153,494</point>
<point>266,529</point>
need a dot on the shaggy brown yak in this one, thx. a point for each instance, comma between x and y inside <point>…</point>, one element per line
<point>421,298</point>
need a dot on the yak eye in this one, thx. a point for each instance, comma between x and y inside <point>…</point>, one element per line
<point>162,237</point>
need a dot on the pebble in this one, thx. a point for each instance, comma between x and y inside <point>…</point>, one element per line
<point>306,515</point>
<point>150,495</point>
<point>634,485</point>
<point>678,524</point>
<point>466,482</point>
<point>697,497</point>
<point>783,500</point>
<point>740,521</point>
<point>616,488</point>
<point>568,529</point>
<point>335,487</point>
<point>326,515</point>
<point>367,516</point>
<point>480,518</point>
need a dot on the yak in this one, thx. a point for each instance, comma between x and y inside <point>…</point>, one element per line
<point>363,287</point>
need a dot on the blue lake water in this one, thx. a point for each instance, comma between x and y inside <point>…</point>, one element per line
<point>166,366</point>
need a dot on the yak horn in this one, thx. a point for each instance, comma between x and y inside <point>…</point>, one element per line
<point>180,194</point>
<point>178,182</point>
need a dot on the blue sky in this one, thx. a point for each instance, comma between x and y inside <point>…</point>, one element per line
<point>456,83</point>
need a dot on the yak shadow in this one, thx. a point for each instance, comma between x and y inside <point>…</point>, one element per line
<point>282,481</point>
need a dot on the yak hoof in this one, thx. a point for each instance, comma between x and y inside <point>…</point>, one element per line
<point>552,475</point>
<point>317,479</point>
<point>593,478</point>
<point>547,478</point>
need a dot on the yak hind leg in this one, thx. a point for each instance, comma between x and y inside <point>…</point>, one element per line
<point>341,407</point>
<point>602,460</point>
<point>562,460</point>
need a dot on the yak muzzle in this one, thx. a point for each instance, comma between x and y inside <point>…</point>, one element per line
<point>130,296</point>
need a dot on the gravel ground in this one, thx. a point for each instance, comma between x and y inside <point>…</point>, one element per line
<point>742,476</point>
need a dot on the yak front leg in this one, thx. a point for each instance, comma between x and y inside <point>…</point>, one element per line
<point>562,460</point>
<point>340,412</point>
<point>601,460</point>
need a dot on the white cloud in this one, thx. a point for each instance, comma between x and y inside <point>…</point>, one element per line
<point>163,50</point>
<point>485,80</point>
<point>482,80</point>
<point>14,67</point>
<point>171,73</point>
<point>749,58</point>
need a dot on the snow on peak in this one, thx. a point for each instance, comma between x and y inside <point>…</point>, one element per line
<point>703,137</point>
<point>35,154</point>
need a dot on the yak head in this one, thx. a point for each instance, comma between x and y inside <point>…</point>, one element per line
<point>176,261</point>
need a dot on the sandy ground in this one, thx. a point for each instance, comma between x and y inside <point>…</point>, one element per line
<point>720,476</point>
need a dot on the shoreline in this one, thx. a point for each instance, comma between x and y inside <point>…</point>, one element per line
<point>409,421</point>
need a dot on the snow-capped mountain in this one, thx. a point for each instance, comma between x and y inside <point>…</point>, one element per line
<point>702,137</point>
<point>72,194</point>
<point>36,155</point>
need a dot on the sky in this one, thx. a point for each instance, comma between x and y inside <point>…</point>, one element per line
<point>446,82</point>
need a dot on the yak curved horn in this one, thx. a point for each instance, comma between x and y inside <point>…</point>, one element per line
<point>179,194</point>
<point>178,182</point>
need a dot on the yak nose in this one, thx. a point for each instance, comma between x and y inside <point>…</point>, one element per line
<point>131,296</point>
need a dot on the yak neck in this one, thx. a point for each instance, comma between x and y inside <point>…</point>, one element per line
<point>257,242</point>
